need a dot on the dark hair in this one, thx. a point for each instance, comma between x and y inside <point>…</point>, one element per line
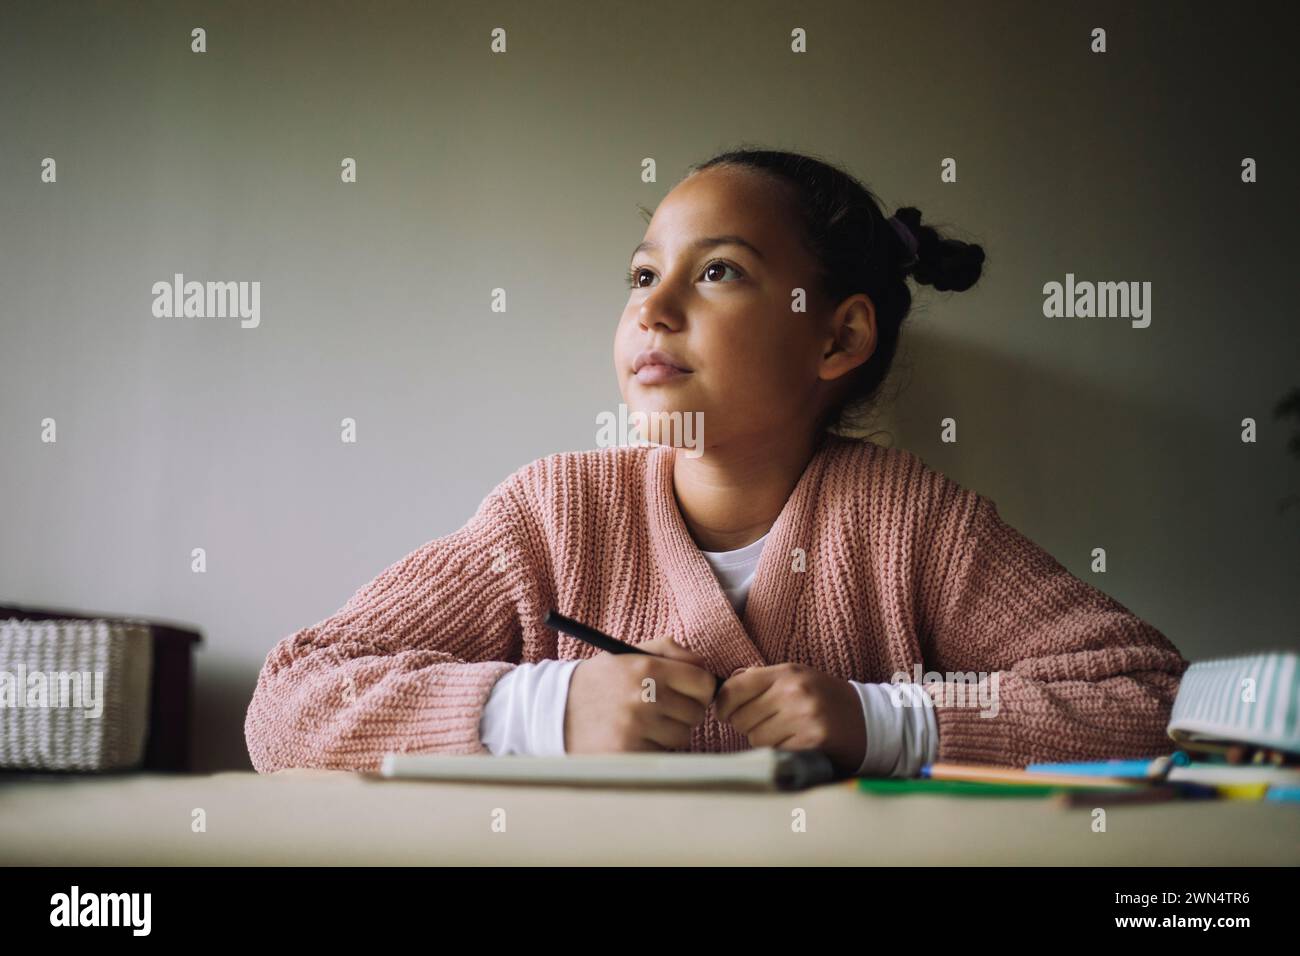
<point>858,250</point>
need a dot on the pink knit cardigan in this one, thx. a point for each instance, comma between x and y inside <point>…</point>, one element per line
<point>875,564</point>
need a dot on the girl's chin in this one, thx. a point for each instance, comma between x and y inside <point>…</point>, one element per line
<point>668,397</point>
<point>664,407</point>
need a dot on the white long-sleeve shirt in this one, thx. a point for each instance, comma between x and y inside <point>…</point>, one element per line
<point>525,711</point>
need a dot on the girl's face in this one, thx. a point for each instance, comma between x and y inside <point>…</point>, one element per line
<point>712,286</point>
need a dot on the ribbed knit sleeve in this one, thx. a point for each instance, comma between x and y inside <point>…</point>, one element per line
<point>408,663</point>
<point>1079,676</point>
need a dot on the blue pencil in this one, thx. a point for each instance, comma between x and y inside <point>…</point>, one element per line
<point>1143,769</point>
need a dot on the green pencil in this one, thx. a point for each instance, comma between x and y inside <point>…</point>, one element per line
<point>970,788</point>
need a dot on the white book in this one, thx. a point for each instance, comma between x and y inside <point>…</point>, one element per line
<point>1212,774</point>
<point>763,768</point>
<point>1252,700</point>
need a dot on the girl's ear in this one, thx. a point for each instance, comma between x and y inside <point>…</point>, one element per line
<point>853,337</point>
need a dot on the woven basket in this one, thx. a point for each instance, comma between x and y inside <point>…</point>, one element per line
<point>63,732</point>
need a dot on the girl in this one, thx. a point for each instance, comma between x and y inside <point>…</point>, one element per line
<point>855,600</point>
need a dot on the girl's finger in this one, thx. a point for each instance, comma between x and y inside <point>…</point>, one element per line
<point>752,713</point>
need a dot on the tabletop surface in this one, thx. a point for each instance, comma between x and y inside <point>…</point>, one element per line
<point>321,817</point>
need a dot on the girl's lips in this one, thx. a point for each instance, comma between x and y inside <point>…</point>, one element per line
<point>657,374</point>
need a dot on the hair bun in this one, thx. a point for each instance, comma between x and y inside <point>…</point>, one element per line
<point>948,265</point>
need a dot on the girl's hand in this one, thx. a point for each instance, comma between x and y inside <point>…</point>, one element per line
<point>630,702</point>
<point>796,707</point>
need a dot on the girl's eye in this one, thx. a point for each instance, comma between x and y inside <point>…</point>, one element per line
<point>718,263</point>
<point>635,274</point>
<point>634,277</point>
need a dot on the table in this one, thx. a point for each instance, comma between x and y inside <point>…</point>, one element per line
<point>317,817</point>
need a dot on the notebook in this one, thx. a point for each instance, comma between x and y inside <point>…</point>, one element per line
<point>763,768</point>
<point>1252,700</point>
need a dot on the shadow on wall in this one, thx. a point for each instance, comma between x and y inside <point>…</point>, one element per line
<point>1289,407</point>
<point>1060,451</point>
<point>221,701</point>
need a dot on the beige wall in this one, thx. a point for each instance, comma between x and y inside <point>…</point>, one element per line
<point>522,171</point>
